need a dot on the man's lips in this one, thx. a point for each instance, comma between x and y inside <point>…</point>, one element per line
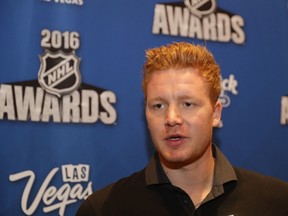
<point>174,138</point>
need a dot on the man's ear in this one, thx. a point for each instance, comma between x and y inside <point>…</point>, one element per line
<point>217,114</point>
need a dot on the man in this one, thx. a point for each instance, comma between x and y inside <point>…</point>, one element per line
<point>188,175</point>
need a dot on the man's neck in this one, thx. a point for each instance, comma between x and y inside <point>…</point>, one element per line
<point>195,179</point>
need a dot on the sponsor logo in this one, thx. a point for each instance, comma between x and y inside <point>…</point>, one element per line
<point>228,86</point>
<point>199,19</point>
<point>201,7</point>
<point>62,76</point>
<point>58,95</point>
<point>70,2</point>
<point>284,110</point>
<point>59,72</point>
<point>53,198</point>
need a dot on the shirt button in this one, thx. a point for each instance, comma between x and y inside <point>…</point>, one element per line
<point>186,202</point>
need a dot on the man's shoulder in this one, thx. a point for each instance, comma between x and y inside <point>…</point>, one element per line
<point>258,181</point>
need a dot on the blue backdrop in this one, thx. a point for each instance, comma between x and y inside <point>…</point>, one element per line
<point>71,107</point>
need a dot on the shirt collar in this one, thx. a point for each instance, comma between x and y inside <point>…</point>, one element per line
<point>223,172</point>
<point>154,173</point>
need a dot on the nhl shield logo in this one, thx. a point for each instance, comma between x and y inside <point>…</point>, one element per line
<point>200,7</point>
<point>59,72</point>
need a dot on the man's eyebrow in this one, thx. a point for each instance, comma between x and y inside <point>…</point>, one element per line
<point>182,97</point>
<point>160,98</point>
<point>185,97</point>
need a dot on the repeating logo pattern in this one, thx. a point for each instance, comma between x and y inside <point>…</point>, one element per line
<point>199,19</point>
<point>52,197</point>
<point>58,95</point>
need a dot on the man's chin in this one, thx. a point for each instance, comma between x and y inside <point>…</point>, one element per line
<point>175,161</point>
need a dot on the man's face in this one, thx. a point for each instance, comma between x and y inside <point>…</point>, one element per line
<point>180,115</point>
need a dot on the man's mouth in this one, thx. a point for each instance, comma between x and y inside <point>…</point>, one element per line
<point>175,140</point>
<point>174,137</point>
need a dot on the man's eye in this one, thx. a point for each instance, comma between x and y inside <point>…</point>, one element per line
<point>188,104</point>
<point>158,106</point>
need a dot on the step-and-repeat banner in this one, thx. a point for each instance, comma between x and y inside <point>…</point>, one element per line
<point>71,107</point>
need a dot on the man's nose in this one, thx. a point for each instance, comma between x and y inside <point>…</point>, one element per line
<point>173,116</point>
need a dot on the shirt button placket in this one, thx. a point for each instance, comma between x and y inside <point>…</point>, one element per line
<point>188,205</point>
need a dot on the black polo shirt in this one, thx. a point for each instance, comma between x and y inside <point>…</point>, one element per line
<point>235,192</point>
